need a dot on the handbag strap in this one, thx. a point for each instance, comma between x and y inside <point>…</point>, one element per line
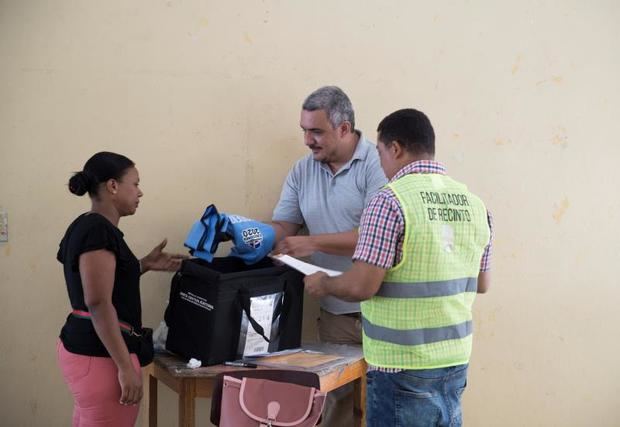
<point>124,326</point>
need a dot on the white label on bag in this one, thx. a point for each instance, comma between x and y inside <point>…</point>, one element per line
<point>261,309</point>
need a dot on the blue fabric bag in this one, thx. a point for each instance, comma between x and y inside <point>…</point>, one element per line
<point>206,234</point>
<point>252,240</point>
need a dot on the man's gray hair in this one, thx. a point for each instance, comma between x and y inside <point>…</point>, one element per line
<point>335,102</point>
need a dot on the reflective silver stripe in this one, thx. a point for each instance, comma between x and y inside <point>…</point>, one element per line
<point>416,336</point>
<point>428,289</point>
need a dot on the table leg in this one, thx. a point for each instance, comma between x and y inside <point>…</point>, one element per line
<point>359,401</point>
<point>152,401</point>
<point>187,399</point>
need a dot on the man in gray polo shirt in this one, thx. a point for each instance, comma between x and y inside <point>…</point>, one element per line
<point>327,191</point>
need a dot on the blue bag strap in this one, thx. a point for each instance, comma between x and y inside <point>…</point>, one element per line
<point>205,234</point>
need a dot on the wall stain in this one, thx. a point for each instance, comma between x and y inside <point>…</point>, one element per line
<point>560,210</point>
<point>517,64</point>
<point>33,404</point>
<point>560,138</point>
<point>7,250</point>
<point>503,141</point>
<point>247,38</point>
<point>554,79</point>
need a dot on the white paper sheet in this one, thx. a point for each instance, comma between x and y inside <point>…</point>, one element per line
<point>304,267</point>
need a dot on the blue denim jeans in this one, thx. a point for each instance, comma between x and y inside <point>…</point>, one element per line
<point>412,398</point>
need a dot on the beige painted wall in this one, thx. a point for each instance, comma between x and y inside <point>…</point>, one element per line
<point>205,97</point>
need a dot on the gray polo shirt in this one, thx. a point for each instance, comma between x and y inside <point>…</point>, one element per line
<point>331,203</point>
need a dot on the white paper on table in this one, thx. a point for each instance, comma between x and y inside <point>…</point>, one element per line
<point>304,267</point>
<point>261,309</point>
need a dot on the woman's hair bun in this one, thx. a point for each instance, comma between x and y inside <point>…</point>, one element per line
<point>79,183</point>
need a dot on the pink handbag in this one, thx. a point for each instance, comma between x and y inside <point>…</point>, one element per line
<point>253,402</point>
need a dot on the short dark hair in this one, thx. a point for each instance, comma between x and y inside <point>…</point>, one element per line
<point>334,102</point>
<point>411,128</point>
<point>99,168</point>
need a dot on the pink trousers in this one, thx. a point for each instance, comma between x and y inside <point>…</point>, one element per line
<point>93,381</point>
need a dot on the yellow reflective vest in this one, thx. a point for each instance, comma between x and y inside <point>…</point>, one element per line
<point>421,317</point>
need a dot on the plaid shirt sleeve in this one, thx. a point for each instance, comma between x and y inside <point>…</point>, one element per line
<point>381,231</point>
<point>485,262</point>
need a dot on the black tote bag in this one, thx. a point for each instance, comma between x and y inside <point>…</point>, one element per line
<point>208,301</point>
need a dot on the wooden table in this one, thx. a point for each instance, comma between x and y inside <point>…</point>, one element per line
<point>193,383</point>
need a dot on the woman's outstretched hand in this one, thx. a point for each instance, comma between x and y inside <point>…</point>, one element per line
<point>158,260</point>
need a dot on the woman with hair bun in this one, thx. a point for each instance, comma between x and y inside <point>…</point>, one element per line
<point>99,341</point>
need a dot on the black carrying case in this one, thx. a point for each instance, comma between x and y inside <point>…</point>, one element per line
<point>204,313</point>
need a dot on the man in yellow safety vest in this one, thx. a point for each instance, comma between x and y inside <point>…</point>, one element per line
<point>422,255</point>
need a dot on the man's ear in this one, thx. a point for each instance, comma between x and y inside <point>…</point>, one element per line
<point>398,148</point>
<point>344,128</point>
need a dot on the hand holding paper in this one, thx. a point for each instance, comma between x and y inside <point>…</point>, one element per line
<point>315,285</point>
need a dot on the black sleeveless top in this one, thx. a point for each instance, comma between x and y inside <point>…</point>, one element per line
<point>91,232</point>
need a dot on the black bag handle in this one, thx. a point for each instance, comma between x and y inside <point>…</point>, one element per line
<point>282,302</point>
<point>282,305</point>
<point>285,303</point>
<point>245,306</point>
